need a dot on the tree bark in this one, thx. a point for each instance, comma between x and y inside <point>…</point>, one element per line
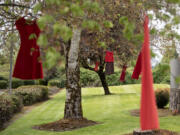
<point>102,77</point>
<point>73,107</point>
<point>174,104</point>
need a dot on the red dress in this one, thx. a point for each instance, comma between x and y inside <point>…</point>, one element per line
<point>28,64</point>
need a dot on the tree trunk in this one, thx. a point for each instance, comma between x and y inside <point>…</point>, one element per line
<point>103,81</point>
<point>174,104</point>
<point>73,107</point>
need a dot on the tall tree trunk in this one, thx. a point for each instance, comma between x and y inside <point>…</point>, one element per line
<point>73,107</point>
<point>102,77</point>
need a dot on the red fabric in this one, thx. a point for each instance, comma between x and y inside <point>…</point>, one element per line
<point>96,66</point>
<point>123,74</point>
<point>137,69</point>
<point>28,64</point>
<point>148,112</point>
<point>109,56</point>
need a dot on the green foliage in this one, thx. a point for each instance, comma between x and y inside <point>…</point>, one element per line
<point>52,56</point>
<point>129,27</point>
<point>17,103</point>
<point>3,84</point>
<point>162,97</point>
<point>63,30</point>
<point>8,106</point>
<point>161,73</point>
<point>32,36</point>
<point>91,6</point>
<point>29,82</point>
<point>76,10</point>
<point>16,83</point>
<point>108,24</point>
<point>42,40</point>
<point>32,94</point>
<point>43,20</point>
<point>91,24</point>
<point>60,83</point>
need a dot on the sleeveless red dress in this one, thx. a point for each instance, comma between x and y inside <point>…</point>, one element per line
<point>28,65</point>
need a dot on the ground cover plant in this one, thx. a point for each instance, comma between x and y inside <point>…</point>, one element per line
<point>111,111</point>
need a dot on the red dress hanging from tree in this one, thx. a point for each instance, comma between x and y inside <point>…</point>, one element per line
<point>28,64</point>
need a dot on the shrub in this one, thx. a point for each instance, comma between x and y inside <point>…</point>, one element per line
<point>42,82</point>
<point>57,82</point>
<point>161,73</point>
<point>32,93</point>
<point>3,78</point>
<point>29,82</point>
<point>8,106</point>
<point>16,83</point>
<point>3,84</point>
<point>162,97</point>
<point>54,82</point>
<point>17,103</point>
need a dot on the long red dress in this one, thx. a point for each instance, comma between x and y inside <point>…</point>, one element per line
<point>28,64</point>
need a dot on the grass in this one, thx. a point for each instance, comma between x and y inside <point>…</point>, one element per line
<point>112,111</point>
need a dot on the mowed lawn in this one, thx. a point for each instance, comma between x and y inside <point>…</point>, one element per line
<point>112,111</point>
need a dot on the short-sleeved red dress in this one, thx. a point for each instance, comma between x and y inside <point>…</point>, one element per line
<point>28,65</point>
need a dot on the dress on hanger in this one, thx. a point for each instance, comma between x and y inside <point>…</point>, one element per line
<point>109,59</point>
<point>28,64</point>
<point>123,73</point>
<point>137,68</point>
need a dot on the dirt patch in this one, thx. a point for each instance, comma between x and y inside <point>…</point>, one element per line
<point>160,132</point>
<point>161,112</point>
<point>66,125</point>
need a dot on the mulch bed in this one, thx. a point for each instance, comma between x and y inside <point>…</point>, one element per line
<point>66,125</point>
<point>160,132</point>
<point>162,112</point>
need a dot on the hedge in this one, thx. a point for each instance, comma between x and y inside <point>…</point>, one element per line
<point>162,97</point>
<point>32,93</point>
<point>8,106</point>
<point>3,84</point>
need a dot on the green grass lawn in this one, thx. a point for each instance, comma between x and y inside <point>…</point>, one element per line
<point>112,111</point>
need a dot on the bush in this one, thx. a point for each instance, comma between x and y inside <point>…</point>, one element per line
<point>29,82</point>
<point>57,82</point>
<point>32,93</point>
<point>16,83</point>
<point>8,106</point>
<point>162,97</point>
<point>42,82</point>
<point>17,103</point>
<point>3,84</point>
<point>161,73</point>
<point>3,78</point>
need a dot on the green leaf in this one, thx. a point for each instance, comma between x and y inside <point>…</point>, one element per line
<point>108,24</point>
<point>32,36</point>
<point>91,24</point>
<point>63,31</point>
<point>42,40</point>
<point>123,20</point>
<point>76,10</point>
<point>128,31</point>
<point>37,8</point>
<point>52,56</point>
<point>102,44</point>
<point>42,21</point>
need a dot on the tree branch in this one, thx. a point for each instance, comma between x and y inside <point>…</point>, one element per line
<point>16,5</point>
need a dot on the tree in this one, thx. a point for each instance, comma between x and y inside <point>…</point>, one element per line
<point>115,24</point>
